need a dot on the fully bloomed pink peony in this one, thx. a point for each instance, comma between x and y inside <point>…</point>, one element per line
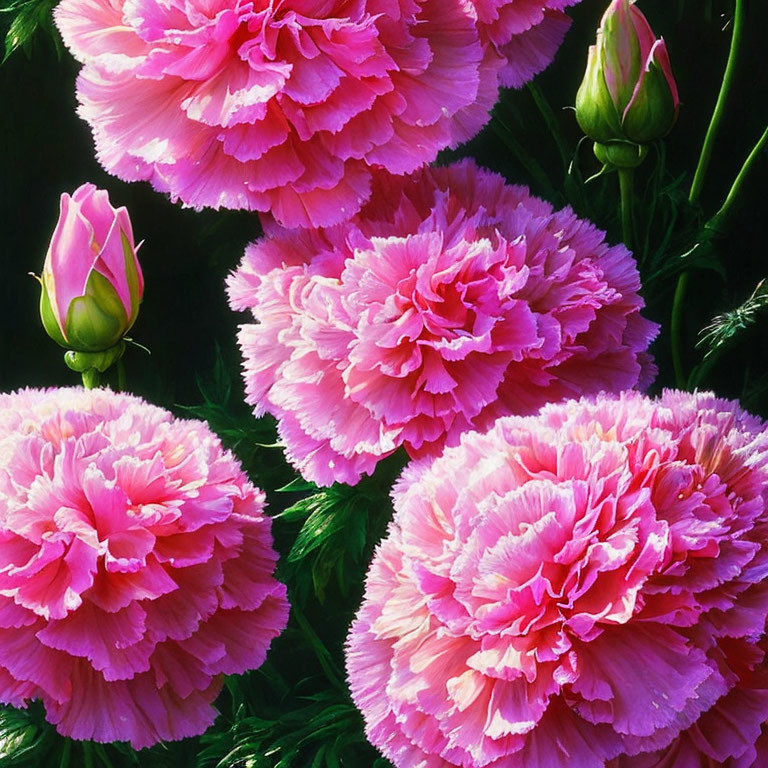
<point>585,587</point>
<point>136,566</point>
<point>451,299</point>
<point>524,33</point>
<point>281,106</point>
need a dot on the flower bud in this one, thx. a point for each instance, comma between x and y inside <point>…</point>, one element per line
<point>91,283</point>
<point>628,93</point>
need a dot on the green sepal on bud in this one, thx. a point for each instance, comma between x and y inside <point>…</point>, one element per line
<point>81,362</point>
<point>50,323</point>
<point>595,112</point>
<point>96,320</point>
<point>653,110</point>
<point>620,155</point>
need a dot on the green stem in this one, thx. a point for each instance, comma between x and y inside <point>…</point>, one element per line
<point>552,124</point>
<point>676,329</point>
<point>715,225</point>
<point>65,752</point>
<point>537,173</point>
<point>626,178</point>
<point>321,652</point>
<point>701,371</point>
<point>698,184</point>
<point>718,220</point>
<point>120,375</point>
<point>91,378</point>
<point>719,111</point>
<point>656,181</point>
<point>102,753</point>
<point>87,754</point>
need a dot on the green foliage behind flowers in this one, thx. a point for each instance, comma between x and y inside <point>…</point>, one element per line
<point>316,730</point>
<point>338,527</point>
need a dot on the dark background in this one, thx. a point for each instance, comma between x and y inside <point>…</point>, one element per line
<point>46,149</point>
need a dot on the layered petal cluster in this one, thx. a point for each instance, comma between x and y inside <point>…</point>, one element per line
<point>136,567</point>
<point>585,587</point>
<point>525,34</point>
<point>451,299</point>
<point>277,105</point>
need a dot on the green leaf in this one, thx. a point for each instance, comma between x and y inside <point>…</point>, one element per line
<point>28,17</point>
<point>296,485</point>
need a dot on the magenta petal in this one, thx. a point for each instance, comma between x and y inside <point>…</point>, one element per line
<point>70,258</point>
<point>112,258</point>
<point>135,711</point>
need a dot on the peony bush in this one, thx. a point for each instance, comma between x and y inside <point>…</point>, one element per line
<point>451,299</point>
<point>137,566</point>
<point>582,586</point>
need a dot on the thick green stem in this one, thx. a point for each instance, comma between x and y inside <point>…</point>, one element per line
<point>719,219</point>
<point>91,378</point>
<point>676,329</point>
<point>120,375</point>
<point>626,179</point>
<point>719,111</point>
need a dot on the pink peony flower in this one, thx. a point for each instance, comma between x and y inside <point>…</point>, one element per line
<point>136,567</point>
<point>525,34</point>
<point>585,587</point>
<point>277,106</point>
<point>451,299</point>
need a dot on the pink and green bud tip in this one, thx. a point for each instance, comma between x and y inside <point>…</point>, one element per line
<point>628,93</point>
<point>91,283</point>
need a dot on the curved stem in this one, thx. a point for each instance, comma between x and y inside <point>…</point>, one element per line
<point>716,222</point>
<point>676,329</point>
<point>626,177</point>
<point>90,378</point>
<point>551,121</point>
<point>698,183</point>
<point>719,111</point>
